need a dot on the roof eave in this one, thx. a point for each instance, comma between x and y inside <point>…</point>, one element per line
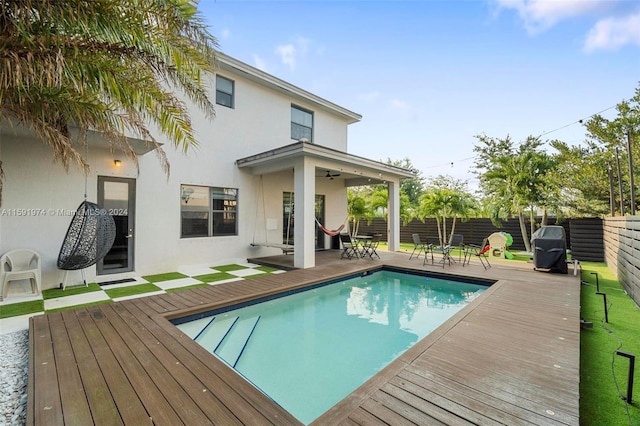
<point>317,151</point>
<point>233,65</point>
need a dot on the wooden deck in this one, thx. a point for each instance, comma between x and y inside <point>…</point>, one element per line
<point>510,357</point>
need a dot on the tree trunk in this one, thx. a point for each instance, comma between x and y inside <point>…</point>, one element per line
<point>532,219</point>
<point>523,230</point>
<point>545,217</point>
<point>439,229</point>
<point>453,229</point>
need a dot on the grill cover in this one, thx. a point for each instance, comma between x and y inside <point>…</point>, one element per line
<point>550,249</point>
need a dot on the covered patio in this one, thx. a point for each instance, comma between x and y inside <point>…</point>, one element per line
<point>310,163</point>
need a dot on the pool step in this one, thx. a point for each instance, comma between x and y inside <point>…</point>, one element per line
<point>215,332</point>
<point>194,328</point>
<point>235,341</point>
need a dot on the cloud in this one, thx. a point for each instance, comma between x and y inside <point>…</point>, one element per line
<point>260,63</point>
<point>287,53</point>
<point>290,53</point>
<point>540,15</point>
<point>613,33</point>
<point>225,34</point>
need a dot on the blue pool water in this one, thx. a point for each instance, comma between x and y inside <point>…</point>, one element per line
<point>309,350</point>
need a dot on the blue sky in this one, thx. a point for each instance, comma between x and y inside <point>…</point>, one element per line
<point>427,76</point>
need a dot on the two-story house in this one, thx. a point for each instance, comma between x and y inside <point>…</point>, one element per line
<point>271,146</point>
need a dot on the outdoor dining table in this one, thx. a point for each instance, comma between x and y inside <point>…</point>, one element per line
<point>362,243</point>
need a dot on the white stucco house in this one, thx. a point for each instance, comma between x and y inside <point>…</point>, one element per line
<point>269,139</point>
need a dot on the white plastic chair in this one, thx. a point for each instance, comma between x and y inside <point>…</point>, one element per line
<point>21,264</point>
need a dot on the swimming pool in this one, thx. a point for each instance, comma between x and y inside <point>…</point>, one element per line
<point>310,349</point>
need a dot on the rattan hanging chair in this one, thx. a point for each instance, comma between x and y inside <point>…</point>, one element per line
<point>89,237</point>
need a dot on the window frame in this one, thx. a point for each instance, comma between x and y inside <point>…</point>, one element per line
<point>302,125</point>
<point>230,203</point>
<point>232,95</point>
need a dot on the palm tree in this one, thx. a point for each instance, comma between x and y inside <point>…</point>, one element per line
<point>509,186</point>
<point>461,206</point>
<point>109,66</point>
<point>445,198</point>
<point>435,202</point>
<point>357,210</point>
<point>516,179</point>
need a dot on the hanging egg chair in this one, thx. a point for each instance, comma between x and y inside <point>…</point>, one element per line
<point>88,239</point>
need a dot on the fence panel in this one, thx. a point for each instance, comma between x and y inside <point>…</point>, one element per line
<point>622,252</point>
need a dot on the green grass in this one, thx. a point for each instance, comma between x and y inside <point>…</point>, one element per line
<point>168,276</point>
<point>84,305</point>
<point>24,308</point>
<point>172,290</point>
<point>227,268</point>
<point>218,276</point>
<point>53,293</point>
<point>603,375</point>
<point>131,290</point>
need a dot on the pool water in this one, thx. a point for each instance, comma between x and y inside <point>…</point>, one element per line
<point>309,350</point>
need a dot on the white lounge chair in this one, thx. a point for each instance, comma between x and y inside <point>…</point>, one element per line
<point>21,264</point>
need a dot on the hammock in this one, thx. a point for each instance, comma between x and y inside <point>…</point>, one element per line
<point>329,232</point>
<point>88,239</point>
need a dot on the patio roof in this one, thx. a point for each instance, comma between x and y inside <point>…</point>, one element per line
<point>95,139</point>
<point>355,170</point>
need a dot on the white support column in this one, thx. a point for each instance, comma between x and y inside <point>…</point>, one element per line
<point>394,215</point>
<point>304,255</point>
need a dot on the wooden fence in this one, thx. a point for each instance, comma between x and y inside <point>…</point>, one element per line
<point>616,241</point>
<point>584,236</point>
<point>622,252</point>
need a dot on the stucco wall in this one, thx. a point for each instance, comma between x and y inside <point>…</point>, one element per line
<point>260,121</point>
<point>39,197</point>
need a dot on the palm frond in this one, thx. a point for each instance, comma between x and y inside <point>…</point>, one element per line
<point>109,66</point>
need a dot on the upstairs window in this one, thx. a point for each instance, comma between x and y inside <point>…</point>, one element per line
<point>301,123</point>
<point>224,91</point>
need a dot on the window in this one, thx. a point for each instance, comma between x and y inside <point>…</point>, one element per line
<point>301,123</point>
<point>208,211</point>
<point>224,91</point>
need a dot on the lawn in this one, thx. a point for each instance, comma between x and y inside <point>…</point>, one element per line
<point>603,374</point>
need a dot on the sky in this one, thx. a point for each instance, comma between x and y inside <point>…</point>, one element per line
<point>429,76</point>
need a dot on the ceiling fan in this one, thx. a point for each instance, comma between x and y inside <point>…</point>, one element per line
<point>330,175</point>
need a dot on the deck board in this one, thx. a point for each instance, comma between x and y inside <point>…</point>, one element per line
<point>82,372</point>
<point>510,357</point>
<point>129,406</point>
<point>75,404</point>
<point>214,375</point>
<point>45,401</point>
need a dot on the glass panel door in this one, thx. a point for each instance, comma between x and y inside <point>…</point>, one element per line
<point>320,216</point>
<point>288,219</point>
<point>117,196</point>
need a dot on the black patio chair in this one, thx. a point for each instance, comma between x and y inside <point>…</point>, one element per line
<point>349,248</point>
<point>479,251</point>
<point>419,246</point>
<point>457,242</point>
